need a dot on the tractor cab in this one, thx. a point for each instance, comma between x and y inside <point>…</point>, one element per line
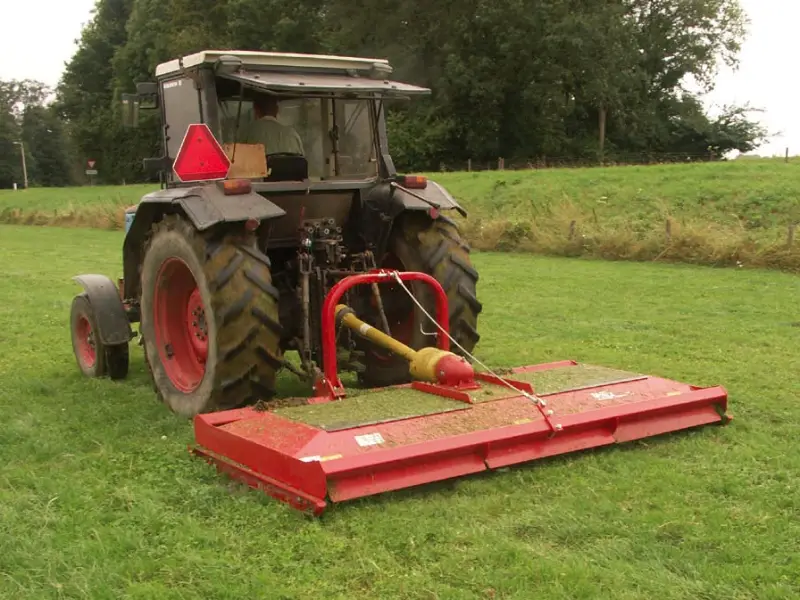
<point>278,117</point>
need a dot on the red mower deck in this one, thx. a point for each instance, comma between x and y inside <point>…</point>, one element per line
<point>315,453</point>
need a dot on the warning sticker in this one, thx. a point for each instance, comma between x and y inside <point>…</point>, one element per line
<point>369,439</point>
<point>605,395</point>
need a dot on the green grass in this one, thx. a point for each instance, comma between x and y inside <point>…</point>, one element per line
<point>755,195</point>
<point>73,198</point>
<point>91,206</point>
<point>370,407</point>
<point>100,499</point>
<point>722,214</point>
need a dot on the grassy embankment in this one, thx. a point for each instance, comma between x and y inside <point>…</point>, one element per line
<point>715,214</point>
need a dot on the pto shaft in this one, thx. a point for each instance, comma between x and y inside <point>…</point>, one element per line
<point>428,364</point>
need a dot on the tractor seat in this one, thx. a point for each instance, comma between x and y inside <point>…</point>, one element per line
<point>287,167</point>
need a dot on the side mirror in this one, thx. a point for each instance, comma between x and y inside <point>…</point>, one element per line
<point>145,98</point>
<point>130,110</point>
<point>147,93</point>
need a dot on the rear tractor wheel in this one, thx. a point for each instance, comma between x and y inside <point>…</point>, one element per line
<point>209,320</point>
<point>435,247</point>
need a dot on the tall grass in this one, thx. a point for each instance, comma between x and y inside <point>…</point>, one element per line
<point>721,214</point>
<point>568,230</point>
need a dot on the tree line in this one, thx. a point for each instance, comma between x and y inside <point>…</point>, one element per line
<point>520,79</point>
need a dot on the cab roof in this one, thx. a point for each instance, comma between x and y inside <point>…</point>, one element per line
<point>285,71</point>
<point>283,60</point>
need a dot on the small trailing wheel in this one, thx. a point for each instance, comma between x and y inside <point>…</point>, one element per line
<point>435,247</point>
<point>93,357</point>
<point>209,319</point>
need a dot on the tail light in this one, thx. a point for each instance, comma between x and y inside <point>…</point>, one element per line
<point>232,187</point>
<point>414,182</point>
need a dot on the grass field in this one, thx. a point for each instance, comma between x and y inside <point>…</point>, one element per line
<point>99,498</point>
<point>722,214</point>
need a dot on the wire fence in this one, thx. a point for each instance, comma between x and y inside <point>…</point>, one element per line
<point>560,162</point>
<point>131,173</point>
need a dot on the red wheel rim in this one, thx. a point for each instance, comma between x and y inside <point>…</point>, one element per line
<point>87,352</point>
<point>180,325</point>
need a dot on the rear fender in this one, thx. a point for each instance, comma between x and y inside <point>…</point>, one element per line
<point>384,203</point>
<point>109,312</point>
<point>433,195</point>
<point>204,205</point>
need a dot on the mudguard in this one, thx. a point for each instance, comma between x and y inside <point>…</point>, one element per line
<point>384,203</point>
<point>112,321</point>
<point>392,200</point>
<point>433,194</point>
<point>204,205</point>
<point>207,205</point>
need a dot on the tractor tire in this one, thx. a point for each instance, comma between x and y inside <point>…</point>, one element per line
<point>209,320</point>
<point>93,357</point>
<point>435,247</point>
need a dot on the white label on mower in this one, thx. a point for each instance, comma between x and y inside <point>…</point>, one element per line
<point>321,458</point>
<point>364,329</point>
<point>369,439</point>
<point>608,395</point>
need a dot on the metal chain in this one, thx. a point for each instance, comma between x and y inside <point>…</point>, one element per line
<point>540,404</point>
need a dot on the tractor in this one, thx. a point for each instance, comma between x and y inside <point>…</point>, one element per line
<point>276,182</point>
<point>283,237</point>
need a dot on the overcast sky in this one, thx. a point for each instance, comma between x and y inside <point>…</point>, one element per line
<point>764,79</point>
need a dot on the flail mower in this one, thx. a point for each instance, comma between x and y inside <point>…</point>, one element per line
<point>282,226</point>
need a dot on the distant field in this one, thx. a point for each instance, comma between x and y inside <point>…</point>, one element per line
<point>99,497</point>
<point>91,206</point>
<point>717,214</point>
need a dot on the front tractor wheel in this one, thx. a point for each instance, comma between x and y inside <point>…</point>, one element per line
<point>435,247</point>
<point>209,320</point>
<point>94,358</point>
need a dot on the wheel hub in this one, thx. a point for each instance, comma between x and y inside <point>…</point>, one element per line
<point>198,329</point>
<point>181,329</point>
<point>87,348</point>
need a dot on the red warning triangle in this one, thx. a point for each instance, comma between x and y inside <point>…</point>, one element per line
<point>200,157</point>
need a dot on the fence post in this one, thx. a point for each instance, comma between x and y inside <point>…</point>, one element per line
<point>501,164</point>
<point>469,164</point>
<point>787,155</point>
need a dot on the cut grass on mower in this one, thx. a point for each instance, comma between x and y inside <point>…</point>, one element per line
<point>99,497</point>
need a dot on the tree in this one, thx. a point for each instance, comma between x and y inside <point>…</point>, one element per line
<point>10,168</point>
<point>518,79</point>
<point>46,146</point>
<point>85,93</point>
<point>27,119</point>
<point>682,38</point>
